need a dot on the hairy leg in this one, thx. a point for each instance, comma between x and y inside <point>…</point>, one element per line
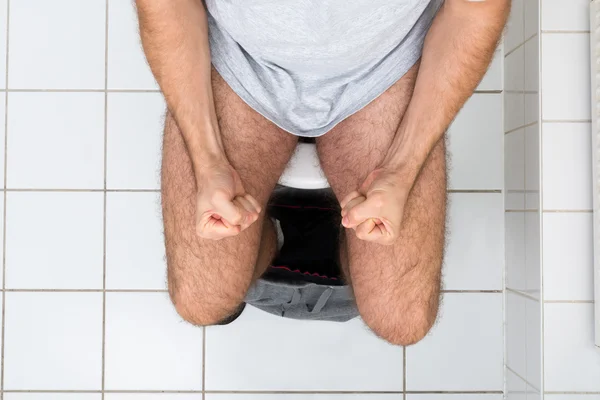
<point>399,304</point>
<point>209,279</point>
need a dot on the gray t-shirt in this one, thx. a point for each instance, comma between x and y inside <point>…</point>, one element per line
<point>308,64</point>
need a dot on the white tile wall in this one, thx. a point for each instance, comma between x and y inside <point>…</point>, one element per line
<point>2,128</point>
<point>127,67</point>
<point>514,34</point>
<point>516,388</point>
<point>531,75</point>
<point>556,16</point>
<point>474,252</point>
<point>53,341</point>
<point>566,182</point>
<point>134,134</point>
<point>135,251</point>
<point>572,397</point>
<point>62,147</point>
<point>571,361</point>
<point>464,351</point>
<point>534,346</point>
<point>478,126</point>
<point>242,356</point>
<point>565,76</point>
<point>514,170</point>
<point>57,44</point>
<point>532,167</point>
<point>516,333</point>
<point>516,276</point>
<point>531,18</point>
<point>4,19</point>
<point>568,256</point>
<point>54,240</point>
<point>532,254</point>
<point>148,346</point>
<point>514,82</point>
<point>67,241</point>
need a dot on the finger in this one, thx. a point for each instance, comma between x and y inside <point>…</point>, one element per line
<point>349,197</point>
<point>225,208</point>
<point>254,202</point>
<point>251,215</point>
<point>246,215</point>
<point>360,211</point>
<point>213,228</point>
<point>367,230</point>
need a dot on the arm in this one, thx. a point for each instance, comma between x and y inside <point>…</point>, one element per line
<point>457,52</point>
<point>175,39</point>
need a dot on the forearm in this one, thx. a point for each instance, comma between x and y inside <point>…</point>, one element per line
<point>457,52</point>
<point>174,35</point>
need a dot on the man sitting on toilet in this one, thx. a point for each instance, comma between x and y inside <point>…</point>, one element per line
<point>373,84</point>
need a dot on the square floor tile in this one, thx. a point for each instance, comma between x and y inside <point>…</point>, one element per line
<point>53,341</point>
<point>152,396</point>
<point>303,396</point>
<point>475,142</point>
<point>516,333</point>
<point>514,34</point>
<point>61,146</point>
<point>574,17</point>
<point>148,346</point>
<point>57,44</point>
<point>127,67</point>
<point>566,76</point>
<point>568,256</point>
<point>571,361</point>
<point>259,351</point>
<point>135,250</point>
<point>454,396</point>
<point>464,351</point>
<point>567,175</point>
<point>516,277</point>
<point>493,77</point>
<point>54,240</point>
<point>52,396</point>
<point>3,32</point>
<point>475,249</point>
<point>135,126</point>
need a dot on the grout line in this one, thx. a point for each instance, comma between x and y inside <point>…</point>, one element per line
<point>262,391</point>
<point>203,362</point>
<point>520,127</point>
<point>471,291</point>
<point>4,205</point>
<point>540,182</point>
<point>572,392</point>
<point>87,290</point>
<point>551,31</point>
<point>80,90</point>
<point>498,91</point>
<point>569,302</point>
<point>566,121</point>
<point>523,379</point>
<point>86,190</point>
<point>567,211</point>
<point>509,91</point>
<point>522,294</point>
<point>105,199</point>
<point>474,191</point>
<point>528,210</point>
<point>520,45</point>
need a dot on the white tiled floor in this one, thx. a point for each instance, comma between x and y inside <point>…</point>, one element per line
<point>85,306</point>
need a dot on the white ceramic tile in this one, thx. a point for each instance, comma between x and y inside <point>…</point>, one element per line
<point>531,18</point>
<point>533,394</point>
<point>135,250</point>
<point>516,333</point>
<point>516,277</point>
<point>475,252</point>
<point>464,351</point>
<point>514,110</point>
<point>532,167</point>
<point>53,341</point>
<point>531,80</point>
<point>534,344</point>
<point>516,388</point>
<point>514,71</point>
<point>53,396</point>
<point>127,67</point>
<point>568,256</point>
<point>3,31</point>
<point>57,44</point>
<point>454,396</point>
<point>61,146</point>
<point>567,176</point>
<point>572,396</point>
<point>493,77</point>
<point>307,396</point>
<point>148,346</point>
<point>514,170</point>
<point>475,142</point>
<point>152,396</point>
<point>532,254</point>
<point>334,356</point>
<point>2,131</point>
<point>571,361</point>
<point>566,76</point>
<point>514,31</point>
<point>560,16</point>
<point>135,124</point>
<point>54,240</point>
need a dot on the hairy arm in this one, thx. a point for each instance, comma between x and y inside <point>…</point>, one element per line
<point>458,49</point>
<point>174,35</point>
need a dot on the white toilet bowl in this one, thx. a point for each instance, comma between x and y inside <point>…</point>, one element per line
<point>304,170</point>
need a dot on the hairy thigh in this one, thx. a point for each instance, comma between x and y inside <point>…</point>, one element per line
<point>348,153</point>
<point>205,271</point>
